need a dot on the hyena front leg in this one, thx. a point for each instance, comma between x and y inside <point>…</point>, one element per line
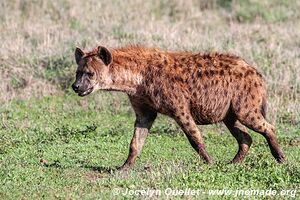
<point>189,127</point>
<point>144,120</point>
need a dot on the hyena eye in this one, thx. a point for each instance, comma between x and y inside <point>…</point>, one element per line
<point>90,74</point>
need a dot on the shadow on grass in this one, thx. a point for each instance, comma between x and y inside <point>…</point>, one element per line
<point>98,169</point>
<point>55,164</point>
<point>101,169</point>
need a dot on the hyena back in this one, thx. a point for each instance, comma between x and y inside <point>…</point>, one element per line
<point>193,89</point>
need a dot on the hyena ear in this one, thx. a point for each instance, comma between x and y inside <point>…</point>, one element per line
<point>105,55</point>
<point>78,54</point>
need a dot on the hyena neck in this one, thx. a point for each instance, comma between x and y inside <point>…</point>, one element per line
<point>125,73</point>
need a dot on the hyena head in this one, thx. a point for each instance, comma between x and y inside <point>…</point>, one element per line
<point>92,70</point>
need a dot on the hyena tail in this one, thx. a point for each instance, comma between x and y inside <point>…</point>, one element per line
<point>264,107</point>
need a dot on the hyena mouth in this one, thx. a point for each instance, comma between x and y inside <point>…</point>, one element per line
<point>84,93</point>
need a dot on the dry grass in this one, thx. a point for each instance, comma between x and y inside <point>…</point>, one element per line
<point>38,39</point>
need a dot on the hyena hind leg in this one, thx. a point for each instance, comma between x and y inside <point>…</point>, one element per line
<point>257,123</point>
<point>242,137</point>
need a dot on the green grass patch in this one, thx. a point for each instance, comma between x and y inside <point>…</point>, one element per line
<point>69,147</point>
<point>247,11</point>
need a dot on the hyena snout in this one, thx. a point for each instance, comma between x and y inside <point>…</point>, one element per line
<point>75,87</point>
<point>82,89</point>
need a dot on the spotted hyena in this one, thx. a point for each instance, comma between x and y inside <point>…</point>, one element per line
<point>192,88</point>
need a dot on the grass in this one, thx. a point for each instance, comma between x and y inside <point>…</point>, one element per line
<point>56,145</point>
<point>44,35</point>
<point>68,147</point>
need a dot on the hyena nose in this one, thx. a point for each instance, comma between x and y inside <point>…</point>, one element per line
<point>75,87</point>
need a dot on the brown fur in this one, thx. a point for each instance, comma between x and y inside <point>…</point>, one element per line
<point>193,89</point>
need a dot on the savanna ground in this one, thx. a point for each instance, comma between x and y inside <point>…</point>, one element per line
<point>54,144</point>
